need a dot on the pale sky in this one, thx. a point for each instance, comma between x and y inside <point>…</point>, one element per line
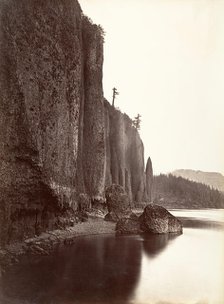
<point>166,58</point>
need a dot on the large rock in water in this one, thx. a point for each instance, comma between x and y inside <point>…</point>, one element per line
<point>117,202</point>
<point>129,225</point>
<point>156,219</point>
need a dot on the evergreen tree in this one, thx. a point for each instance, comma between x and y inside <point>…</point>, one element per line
<point>136,121</point>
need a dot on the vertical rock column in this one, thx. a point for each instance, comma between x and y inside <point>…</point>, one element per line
<point>149,179</point>
<point>94,146</point>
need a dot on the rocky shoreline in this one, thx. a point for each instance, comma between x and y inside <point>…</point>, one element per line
<point>154,219</point>
<point>47,242</point>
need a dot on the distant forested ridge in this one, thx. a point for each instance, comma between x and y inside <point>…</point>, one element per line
<point>176,192</point>
<point>213,179</point>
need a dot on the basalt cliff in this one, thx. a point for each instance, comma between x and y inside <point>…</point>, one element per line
<point>59,137</point>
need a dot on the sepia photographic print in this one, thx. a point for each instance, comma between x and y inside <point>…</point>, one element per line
<point>111,151</point>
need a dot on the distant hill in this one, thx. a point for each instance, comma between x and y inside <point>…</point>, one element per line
<point>177,192</point>
<point>213,179</point>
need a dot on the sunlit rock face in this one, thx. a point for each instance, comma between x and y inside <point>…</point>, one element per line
<point>125,155</point>
<point>58,136</point>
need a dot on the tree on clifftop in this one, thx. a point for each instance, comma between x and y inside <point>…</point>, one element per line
<point>136,121</point>
<point>115,92</point>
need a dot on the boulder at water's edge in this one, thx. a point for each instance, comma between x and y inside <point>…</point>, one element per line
<point>156,219</point>
<point>129,225</point>
<point>117,202</point>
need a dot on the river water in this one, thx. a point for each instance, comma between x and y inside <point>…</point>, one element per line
<point>150,269</point>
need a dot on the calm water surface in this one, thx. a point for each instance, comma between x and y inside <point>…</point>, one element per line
<point>150,269</point>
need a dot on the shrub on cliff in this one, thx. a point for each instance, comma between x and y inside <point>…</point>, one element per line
<point>92,29</point>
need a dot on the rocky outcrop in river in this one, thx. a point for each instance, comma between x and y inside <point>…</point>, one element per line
<point>154,219</point>
<point>59,138</point>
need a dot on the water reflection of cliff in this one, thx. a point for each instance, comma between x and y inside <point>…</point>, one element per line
<point>100,269</point>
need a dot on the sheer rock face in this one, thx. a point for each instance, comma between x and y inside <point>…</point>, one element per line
<point>41,63</point>
<point>125,155</point>
<point>58,136</point>
<point>47,62</point>
<point>92,128</point>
